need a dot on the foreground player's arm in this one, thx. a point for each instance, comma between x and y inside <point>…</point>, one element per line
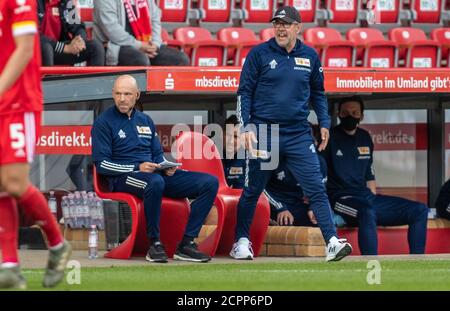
<point>17,62</point>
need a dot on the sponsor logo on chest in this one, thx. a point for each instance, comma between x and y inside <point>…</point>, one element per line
<point>273,64</point>
<point>364,150</point>
<point>305,62</point>
<point>236,170</point>
<point>145,130</point>
<point>122,134</point>
<point>364,153</point>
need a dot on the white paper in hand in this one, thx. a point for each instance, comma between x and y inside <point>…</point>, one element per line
<point>167,164</point>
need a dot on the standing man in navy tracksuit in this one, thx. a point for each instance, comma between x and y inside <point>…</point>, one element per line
<point>126,148</point>
<point>352,186</point>
<point>278,80</point>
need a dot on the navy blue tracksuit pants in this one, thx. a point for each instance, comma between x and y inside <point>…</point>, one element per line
<point>151,187</point>
<point>366,210</point>
<point>296,149</point>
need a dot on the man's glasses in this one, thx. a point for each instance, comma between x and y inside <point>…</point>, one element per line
<point>279,24</point>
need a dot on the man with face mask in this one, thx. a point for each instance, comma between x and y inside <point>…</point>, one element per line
<point>352,186</point>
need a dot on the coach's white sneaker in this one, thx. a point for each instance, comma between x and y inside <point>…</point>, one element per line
<point>338,249</point>
<point>242,249</point>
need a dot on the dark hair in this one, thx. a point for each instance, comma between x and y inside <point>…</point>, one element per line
<point>232,120</point>
<point>354,98</point>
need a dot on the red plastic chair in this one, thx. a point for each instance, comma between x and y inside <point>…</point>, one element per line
<point>239,42</point>
<point>174,217</point>
<point>258,11</point>
<point>307,9</point>
<point>169,41</point>
<point>415,50</point>
<point>267,33</point>
<point>216,11</point>
<point>343,11</point>
<point>227,198</point>
<point>427,11</point>
<point>373,50</point>
<point>332,49</point>
<point>442,36</point>
<point>201,47</point>
<point>389,11</point>
<point>174,11</point>
<point>86,12</point>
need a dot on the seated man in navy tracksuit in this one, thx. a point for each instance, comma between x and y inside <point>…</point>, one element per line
<point>126,148</point>
<point>443,201</point>
<point>233,165</point>
<point>352,187</point>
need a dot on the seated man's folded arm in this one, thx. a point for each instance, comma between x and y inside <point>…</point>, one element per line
<point>102,152</point>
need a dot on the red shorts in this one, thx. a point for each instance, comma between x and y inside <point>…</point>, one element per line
<point>18,137</point>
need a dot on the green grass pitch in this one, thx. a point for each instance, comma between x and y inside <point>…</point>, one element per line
<point>345,275</point>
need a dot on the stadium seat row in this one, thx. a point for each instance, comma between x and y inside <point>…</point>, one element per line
<point>334,11</point>
<point>367,47</point>
<point>312,11</point>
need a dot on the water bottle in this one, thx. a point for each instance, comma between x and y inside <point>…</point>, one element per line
<point>85,209</point>
<point>92,211</point>
<point>93,242</point>
<point>100,214</point>
<point>73,210</point>
<point>66,212</point>
<point>53,205</point>
<point>79,210</point>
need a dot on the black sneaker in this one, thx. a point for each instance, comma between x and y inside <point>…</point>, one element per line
<point>156,253</point>
<point>189,252</point>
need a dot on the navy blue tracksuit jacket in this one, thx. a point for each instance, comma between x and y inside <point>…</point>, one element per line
<point>443,201</point>
<point>120,143</point>
<point>350,166</point>
<point>276,88</point>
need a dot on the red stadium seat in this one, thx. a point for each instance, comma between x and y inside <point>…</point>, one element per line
<point>372,49</point>
<point>267,33</point>
<point>167,40</point>
<point>174,217</point>
<point>227,198</point>
<point>307,9</point>
<point>174,10</point>
<point>86,11</point>
<point>332,49</point>
<point>389,11</point>
<point>258,11</point>
<point>442,35</point>
<point>386,12</point>
<point>415,50</point>
<point>239,41</point>
<point>218,11</point>
<point>343,11</point>
<point>427,11</point>
<point>201,47</point>
<point>86,8</point>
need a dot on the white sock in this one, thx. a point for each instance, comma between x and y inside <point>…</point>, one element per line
<point>333,239</point>
<point>9,265</point>
<point>243,241</point>
<point>56,247</point>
